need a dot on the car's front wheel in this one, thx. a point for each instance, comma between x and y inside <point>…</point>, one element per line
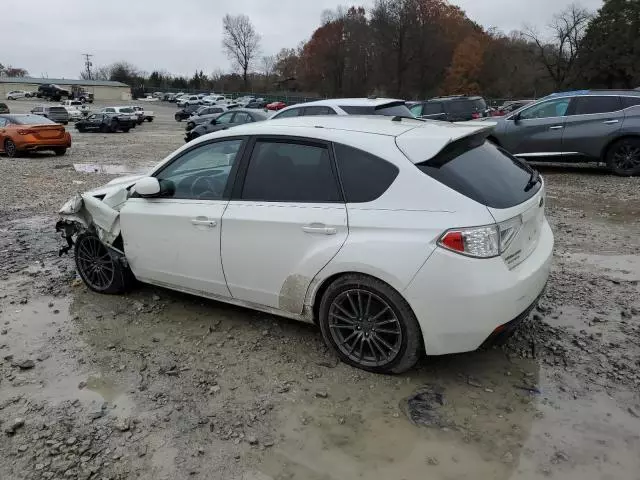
<point>60,151</point>
<point>98,268</point>
<point>623,158</point>
<point>370,325</point>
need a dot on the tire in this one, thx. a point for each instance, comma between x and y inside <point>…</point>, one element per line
<point>177,117</point>
<point>104,128</point>
<point>114,127</point>
<point>140,121</point>
<point>80,129</point>
<point>193,137</point>
<point>112,277</point>
<point>10,149</point>
<point>191,125</point>
<point>60,151</point>
<point>384,307</point>
<point>10,98</point>
<point>126,129</point>
<point>623,157</point>
<point>150,119</point>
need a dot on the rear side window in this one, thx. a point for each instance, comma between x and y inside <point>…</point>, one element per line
<point>290,172</point>
<point>394,109</point>
<point>309,111</point>
<point>482,172</point>
<point>294,112</point>
<point>630,101</point>
<point>591,105</point>
<point>364,176</point>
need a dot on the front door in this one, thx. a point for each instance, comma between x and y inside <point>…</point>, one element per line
<point>174,241</point>
<point>284,224</point>
<point>592,122</point>
<point>537,129</point>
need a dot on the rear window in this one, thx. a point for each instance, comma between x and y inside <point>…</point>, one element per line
<point>465,106</point>
<point>432,108</point>
<point>58,109</point>
<point>483,172</point>
<point>31,120</point>
<point>396,109</point>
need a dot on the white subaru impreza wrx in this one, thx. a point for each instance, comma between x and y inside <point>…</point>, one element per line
<point>397,237</point>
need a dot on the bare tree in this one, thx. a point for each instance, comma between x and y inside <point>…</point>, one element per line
<point>241,42</point>
<point>268,65</point>
<point>559,50</point>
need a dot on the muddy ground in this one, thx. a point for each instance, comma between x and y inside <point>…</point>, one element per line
<point>160,385</point>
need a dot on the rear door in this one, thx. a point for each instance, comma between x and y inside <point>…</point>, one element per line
<point>537,130</point>
<point>592,122</point>
<point>284,223</point>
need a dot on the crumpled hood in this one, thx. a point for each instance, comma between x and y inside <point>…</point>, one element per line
<point>115,184</point>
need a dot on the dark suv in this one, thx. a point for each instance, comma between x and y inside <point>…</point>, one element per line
<point>451,109</point>
<point>52,92</point>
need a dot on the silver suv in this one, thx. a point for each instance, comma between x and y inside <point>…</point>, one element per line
<point>586,125</point>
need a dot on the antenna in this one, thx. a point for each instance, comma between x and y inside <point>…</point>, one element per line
<point>88,65</point>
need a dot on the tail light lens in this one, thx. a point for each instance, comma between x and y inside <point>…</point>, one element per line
<point>475,115</point>
<point>481,242</point>
<point>25,131</point>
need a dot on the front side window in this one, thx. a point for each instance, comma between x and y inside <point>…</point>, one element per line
<point>416,110</point>
<point>290,172</point>
<point>548,109</point>
<point>201,173</point>
<point>110,110</point>
<point>591,105</point>
<point>242,117</point>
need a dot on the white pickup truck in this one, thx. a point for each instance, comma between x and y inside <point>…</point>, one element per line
<point>143,114</point>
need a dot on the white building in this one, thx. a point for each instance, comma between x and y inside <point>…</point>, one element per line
<point>101,89</point>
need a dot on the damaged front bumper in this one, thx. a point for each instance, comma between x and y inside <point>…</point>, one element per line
<point>97,213</point>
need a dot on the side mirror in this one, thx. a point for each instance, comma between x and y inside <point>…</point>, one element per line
<point>148,187</point>
<point>213,121</point>
<point>516,118</point>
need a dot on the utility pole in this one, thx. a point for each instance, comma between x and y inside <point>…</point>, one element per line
<point>88,64</point>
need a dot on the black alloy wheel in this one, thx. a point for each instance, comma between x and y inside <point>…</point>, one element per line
<point>10,148</point>
<point>99,269</point>
<point>624,157</point>
<point>365,328</point>
<point>369,325</point>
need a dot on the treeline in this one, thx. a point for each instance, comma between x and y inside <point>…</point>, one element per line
<point>423,48</point>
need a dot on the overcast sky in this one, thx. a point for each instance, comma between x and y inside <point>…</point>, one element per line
<point>47,38</point>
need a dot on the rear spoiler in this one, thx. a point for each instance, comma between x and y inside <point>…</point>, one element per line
<point>457,147</point>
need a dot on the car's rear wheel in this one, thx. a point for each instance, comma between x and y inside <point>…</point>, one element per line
<point>623,158</point>
<point>369,325</point>
<point>59,151</point>
<point>126,129</point>
<point>191,126</point>
<point>98,268</point>
<point>150,119</point>
<point>10,148</point>
<point>177,117</point>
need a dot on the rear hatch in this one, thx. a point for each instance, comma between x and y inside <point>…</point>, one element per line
<point>511,190</point>
<point>58,114</point>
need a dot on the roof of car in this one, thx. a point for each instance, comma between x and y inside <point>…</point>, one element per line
<point>414,131</point>
<point>576,93</point>
<point>455,97</point>
<point>352,102</point>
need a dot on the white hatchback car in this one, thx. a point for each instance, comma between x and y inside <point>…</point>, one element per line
<point>347,106</point>
<point>398,237</point>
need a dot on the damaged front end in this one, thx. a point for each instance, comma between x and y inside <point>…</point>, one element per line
<point>96,212</point>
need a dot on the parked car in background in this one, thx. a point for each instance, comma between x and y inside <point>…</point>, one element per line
<point>4,108</point>
<point>30,133</point>
<point>224,121</point>
<point>52,92</point>
<point>257,104</point>
<point>243,101</point>
<point>74,113</point>
<point>347,106</point>
<point>81,94</point>
<point>58,114</point>
<point>185,112</point>
<point>364,227</point>
<point>78,104</point>
<point>189,100</point>
<point>130,112</point>
<point>193,122</point>
<point>588,125</point>
<point>456,108</point>
<point>147,115</point>
<point>510,106</point>
<point>105,123</point>
<point>275,106</point>
<point>16,94</point>
<point>214,100</point>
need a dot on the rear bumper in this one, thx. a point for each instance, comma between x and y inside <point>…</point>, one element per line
<point>46,144</point>
<point>460,301</point>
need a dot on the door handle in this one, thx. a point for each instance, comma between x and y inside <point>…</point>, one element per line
<point>557,127</point>
<point>204,222</point>
<point>611,122</point>
<point>319,228</point>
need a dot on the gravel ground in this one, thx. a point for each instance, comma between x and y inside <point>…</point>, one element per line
<point>160,385</point>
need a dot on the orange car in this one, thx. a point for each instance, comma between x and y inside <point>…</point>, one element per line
<point>28,133</point>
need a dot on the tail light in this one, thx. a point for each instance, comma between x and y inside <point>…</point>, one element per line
<point>25,131</point>
<point>481,242</point>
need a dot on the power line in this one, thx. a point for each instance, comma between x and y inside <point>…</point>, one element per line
<point>88,65</point>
